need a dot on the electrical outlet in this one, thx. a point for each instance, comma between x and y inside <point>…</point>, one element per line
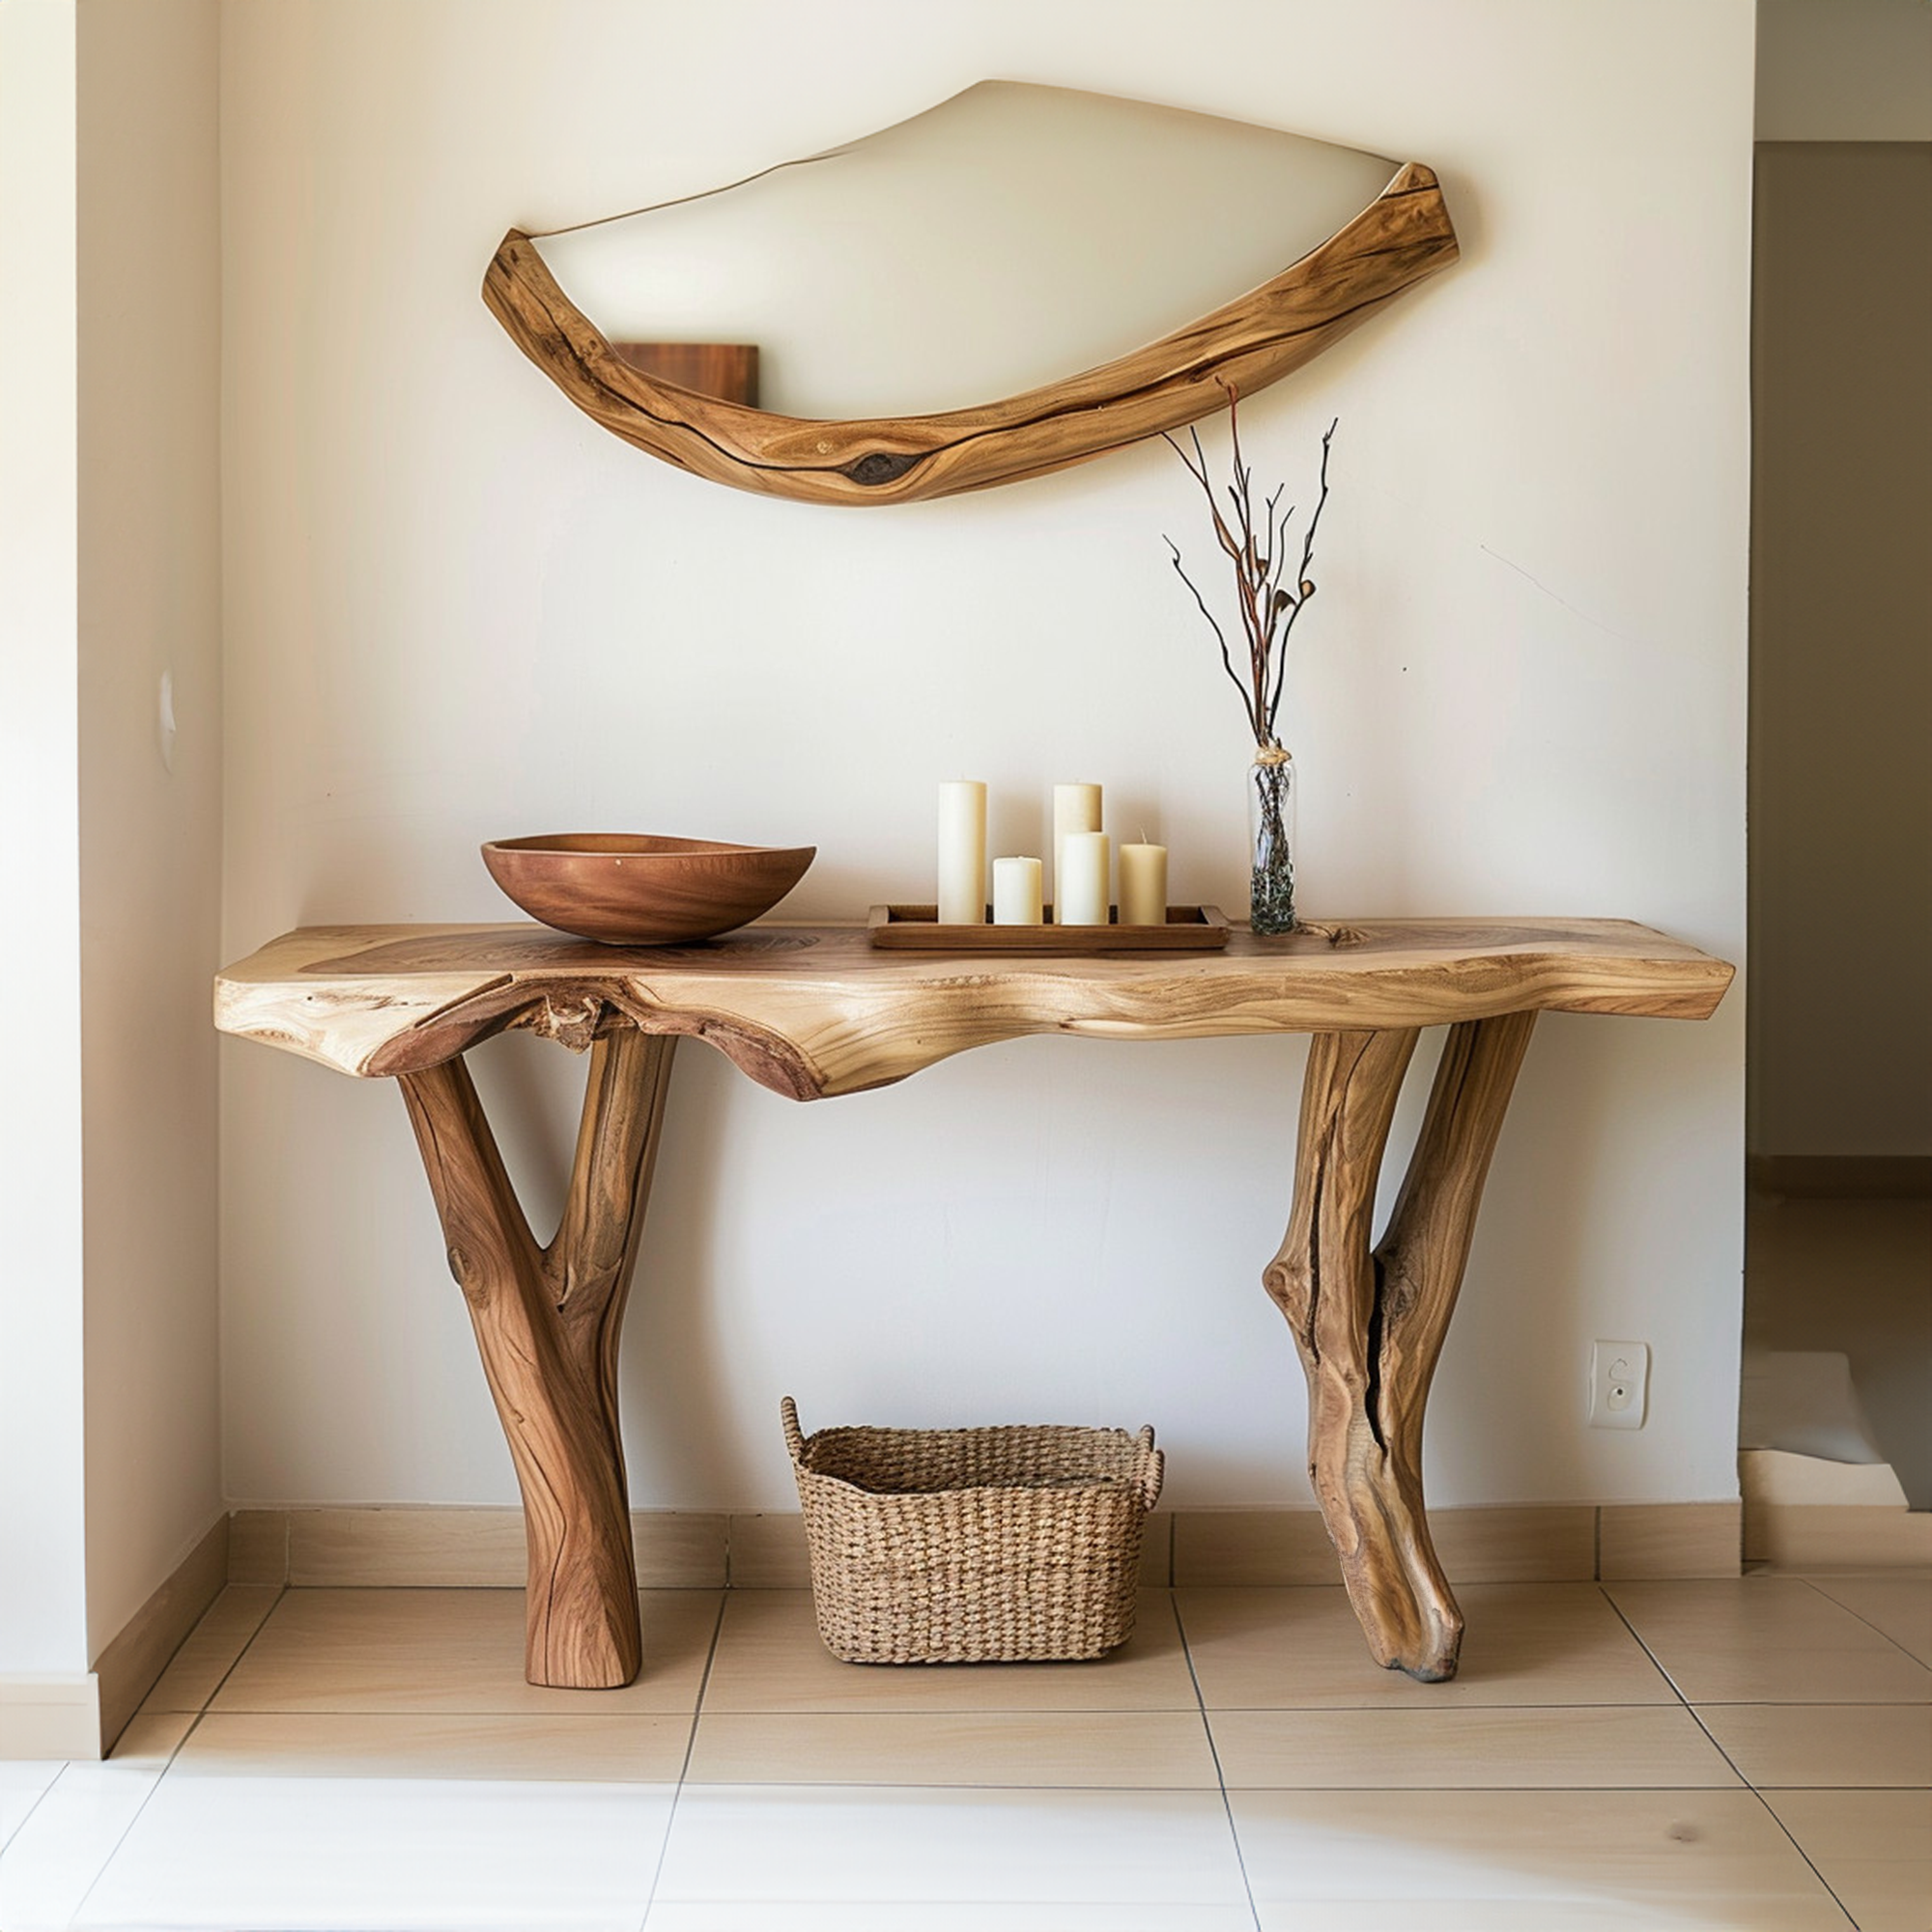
<point>1619,1384</point>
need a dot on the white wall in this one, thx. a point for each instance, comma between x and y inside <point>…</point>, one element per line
<point>43,1555</point>
<point>150,817</point>
<point>455,609</point>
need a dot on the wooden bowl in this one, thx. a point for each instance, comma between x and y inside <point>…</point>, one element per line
<point>631,888</point>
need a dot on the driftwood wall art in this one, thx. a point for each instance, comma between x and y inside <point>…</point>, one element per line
<point>1400,235</point>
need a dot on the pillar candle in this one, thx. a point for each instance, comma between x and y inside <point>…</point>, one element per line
<point>1143,885</point>
<point>962,852</point>
<point>1081,880</point>
<point>1076,807</point>
<point>1016,891</point>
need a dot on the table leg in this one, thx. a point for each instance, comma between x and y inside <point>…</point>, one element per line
<point>1369,1322</point>
<point>547,1321</point>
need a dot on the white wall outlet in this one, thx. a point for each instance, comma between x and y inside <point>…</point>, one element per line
<point>1619,1384</point>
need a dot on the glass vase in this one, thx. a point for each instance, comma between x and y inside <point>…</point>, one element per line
<point>1271,842</point>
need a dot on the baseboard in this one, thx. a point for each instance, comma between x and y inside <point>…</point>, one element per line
<point>1850,1176</point>
<point>424,1548</point>
<point>48,1715</point>
<point>128,1669</point>
<point>1837,1535</point>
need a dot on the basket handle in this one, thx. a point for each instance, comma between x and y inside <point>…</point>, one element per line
<point>1151,1478</point>
<point>794,1441</point>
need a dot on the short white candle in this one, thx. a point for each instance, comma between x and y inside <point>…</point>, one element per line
<point>962,852</point>
<point>1016,891</point>
<point>1082,879</point>
<point>1143,885</point>
<point>1076,807</point>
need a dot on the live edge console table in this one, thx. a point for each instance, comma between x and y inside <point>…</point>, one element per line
<point>814,1011</point>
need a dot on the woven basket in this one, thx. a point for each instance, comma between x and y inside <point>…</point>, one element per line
<point>974,1546</point>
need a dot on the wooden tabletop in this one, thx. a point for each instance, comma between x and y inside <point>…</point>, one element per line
<point>812,1011</point>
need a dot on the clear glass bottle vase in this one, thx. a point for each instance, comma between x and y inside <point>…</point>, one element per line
<point>1271,840</point>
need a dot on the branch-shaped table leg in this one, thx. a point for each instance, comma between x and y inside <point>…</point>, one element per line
<point>1370,1324</point>
<point>548,1322</point>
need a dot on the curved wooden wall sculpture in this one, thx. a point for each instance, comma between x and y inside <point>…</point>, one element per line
<point>1403,236</point>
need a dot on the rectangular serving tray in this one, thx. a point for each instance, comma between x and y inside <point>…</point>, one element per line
<point>916,928</point>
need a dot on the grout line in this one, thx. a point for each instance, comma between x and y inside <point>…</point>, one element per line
<point>39,1799</point>
<point>1801,1850</point>
<point>1696,1718</point>
<point>1213,1751</point>
<point>1663,1670</point>
<point>1859,1615</point>
<point>683,1770</point>
<point>101,1871</point>
<point>233,1664</point>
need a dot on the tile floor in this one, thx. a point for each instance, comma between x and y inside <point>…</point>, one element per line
<point>1753,1753</point>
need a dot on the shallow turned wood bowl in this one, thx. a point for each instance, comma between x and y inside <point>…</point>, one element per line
<point>631,888</point>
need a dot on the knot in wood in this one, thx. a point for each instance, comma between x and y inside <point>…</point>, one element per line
<point>572,1022</point>
<point>879,467</point>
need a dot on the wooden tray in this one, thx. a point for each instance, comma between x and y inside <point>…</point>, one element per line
<point>916,928</point>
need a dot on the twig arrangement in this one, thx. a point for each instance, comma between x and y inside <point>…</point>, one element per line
<point>1259,544</point>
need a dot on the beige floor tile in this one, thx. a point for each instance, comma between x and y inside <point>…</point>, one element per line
<point>197,1670</point>
<point>381,1854</point>
<point>150,1740</point>
<point>1525,1643</point>
<point>1645,1747</point>
<point>769,1658</point>
<point>1140,1751</point>
<point>449,1650</point>
<point>641,1748</point>
<point>1900,1606</point>
<point>1016,1860</point>
<point>60,1848</point>
<point>1825,1743</point>
<point>1526,1862</point>
<point>1767,1641</point>
<point>1873,1848</point>
<point>911,1914</point>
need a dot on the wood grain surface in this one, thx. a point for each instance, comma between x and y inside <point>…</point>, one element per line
<point>1368,1323</point>
<point>818,1010</point>
<point>1399,239</point>
<point>812,1011</point>
<point>727,370</point>
<point>547,1321</point>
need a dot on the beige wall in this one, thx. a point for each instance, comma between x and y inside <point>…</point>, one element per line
<point>150,825</point>
<point>455,609</point>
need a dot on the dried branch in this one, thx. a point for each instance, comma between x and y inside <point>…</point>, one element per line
<point>1259,548</point>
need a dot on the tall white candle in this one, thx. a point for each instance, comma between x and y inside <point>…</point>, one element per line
<point>1016,891</point>
<point>1143,885</point>
<point>1082,880</point>
<point>962,852</point>
<point>1076,807</point>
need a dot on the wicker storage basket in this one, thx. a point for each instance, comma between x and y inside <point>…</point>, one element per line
<point>974,1546</point>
